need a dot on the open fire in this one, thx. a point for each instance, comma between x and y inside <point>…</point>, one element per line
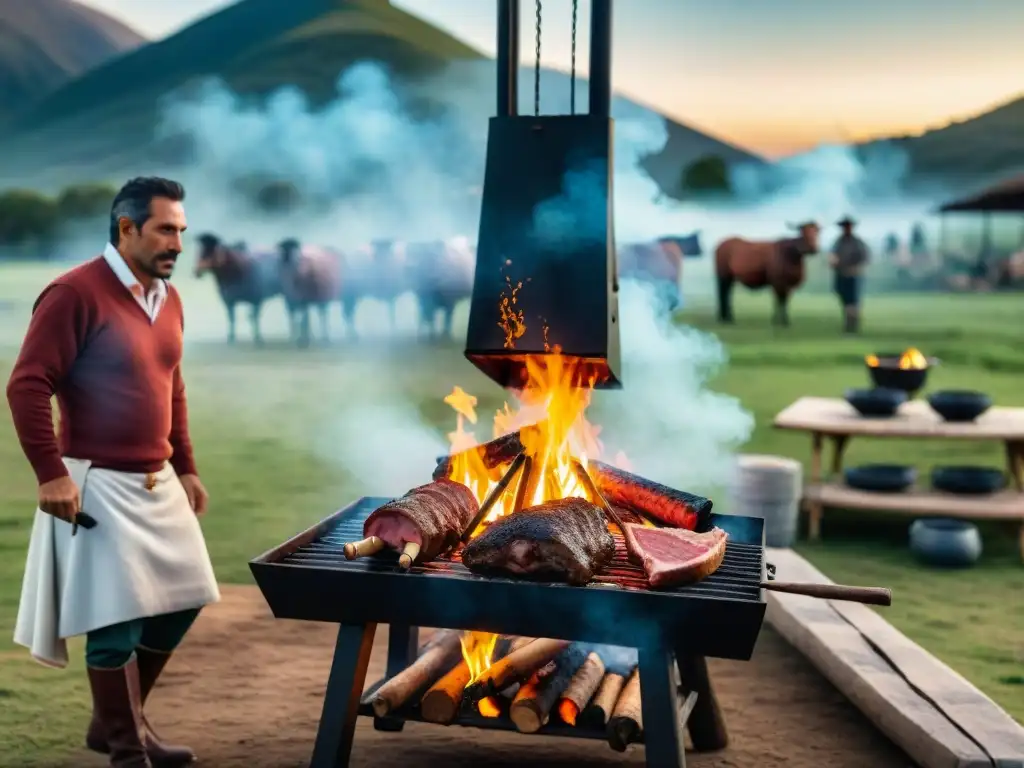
<point>911,360</point>
<point>555,434</point>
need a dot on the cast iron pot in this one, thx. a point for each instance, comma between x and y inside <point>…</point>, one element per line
<point>884,478</point>
<point>888,374</point>
<point>876,402</point>
<point>959,405</point>
<point>968,480</point>
<point>945,543</point>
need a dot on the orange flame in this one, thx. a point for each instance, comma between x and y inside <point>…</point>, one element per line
<point>567,710</point>
<point>554,401</point>
<point>512,320</point>
<point>488,707</point>
<point>911,359</point>
<point>478,652</point>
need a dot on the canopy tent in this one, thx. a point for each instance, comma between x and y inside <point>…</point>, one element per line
<point>1004,197</point>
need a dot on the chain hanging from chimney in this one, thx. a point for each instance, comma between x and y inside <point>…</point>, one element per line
<point>546,244</point>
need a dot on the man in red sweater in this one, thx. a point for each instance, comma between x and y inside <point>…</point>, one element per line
<point>106,339</point>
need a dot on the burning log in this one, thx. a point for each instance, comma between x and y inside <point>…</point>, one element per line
<point>627,720</point>
<point>493,454</point>
<point>599,711</point>
<point>580,689</point>
<point>368,546</point>
<point>653,500</point>
<point>521,664</point>
<point>437,656</point>
<point>532,706</point>
<point>441,703</point>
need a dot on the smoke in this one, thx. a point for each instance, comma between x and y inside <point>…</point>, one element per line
<point>376,163</point>
<point>669,423</point>
<point>381,171</point>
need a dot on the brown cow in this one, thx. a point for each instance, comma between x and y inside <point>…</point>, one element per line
<point>310,277</point>
<point>778,263</point>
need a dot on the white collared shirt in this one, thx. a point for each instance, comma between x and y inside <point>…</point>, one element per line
<point>150,302</point>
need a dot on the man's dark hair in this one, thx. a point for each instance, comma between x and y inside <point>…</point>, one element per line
<point>134,199</point>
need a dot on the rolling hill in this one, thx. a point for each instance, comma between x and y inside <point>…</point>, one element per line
<point>106,119</point>
<point>985,146</point>
<point>46,43</point>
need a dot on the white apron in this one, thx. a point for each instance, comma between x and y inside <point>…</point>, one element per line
<point>146,556</point>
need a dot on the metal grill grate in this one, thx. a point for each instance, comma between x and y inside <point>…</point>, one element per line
<point>738,578</point>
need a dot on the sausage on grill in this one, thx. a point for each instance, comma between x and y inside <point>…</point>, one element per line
<point>654,500</point>
<point>563,540</point>
<point>433,515</point>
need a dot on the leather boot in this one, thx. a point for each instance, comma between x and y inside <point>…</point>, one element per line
<point>118,704</point>
<point>150,665</point>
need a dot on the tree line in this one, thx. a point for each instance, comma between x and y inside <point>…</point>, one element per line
<point>31,221</point>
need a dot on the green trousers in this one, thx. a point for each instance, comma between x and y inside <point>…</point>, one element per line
<point>111,647</point>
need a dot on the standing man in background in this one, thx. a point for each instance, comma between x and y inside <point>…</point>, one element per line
<point>849,257</point>
<point>106,339</point>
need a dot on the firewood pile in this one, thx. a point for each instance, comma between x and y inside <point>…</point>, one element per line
<point>535,683</point>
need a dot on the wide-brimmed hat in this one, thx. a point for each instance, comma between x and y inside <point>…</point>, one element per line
<point>846,221</point>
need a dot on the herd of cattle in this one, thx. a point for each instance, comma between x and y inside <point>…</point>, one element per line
<point>439,274</point>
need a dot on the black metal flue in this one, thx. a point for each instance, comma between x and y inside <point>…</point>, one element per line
<point>546,268</point>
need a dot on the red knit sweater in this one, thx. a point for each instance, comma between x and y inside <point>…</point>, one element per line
<point>116,375</point>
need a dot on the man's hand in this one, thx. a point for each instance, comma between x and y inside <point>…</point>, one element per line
<point>833,261</point>
<point>197,495</point>
<point>60,498</point>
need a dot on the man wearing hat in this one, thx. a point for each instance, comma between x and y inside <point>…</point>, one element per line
<point>849,257</point>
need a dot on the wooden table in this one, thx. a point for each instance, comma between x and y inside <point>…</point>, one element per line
<point>837,420</point>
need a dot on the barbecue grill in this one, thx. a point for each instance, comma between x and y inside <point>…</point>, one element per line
<point>308,578</point>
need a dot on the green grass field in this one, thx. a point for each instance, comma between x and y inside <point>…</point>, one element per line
<point>270,452</point>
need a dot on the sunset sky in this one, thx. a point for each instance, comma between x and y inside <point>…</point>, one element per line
<point>775,76</point>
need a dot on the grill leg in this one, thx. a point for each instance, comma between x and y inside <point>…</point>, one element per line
<point>706,724</point>
<point>341,701</point>
<point>663,728</point>
<point>403,642</point>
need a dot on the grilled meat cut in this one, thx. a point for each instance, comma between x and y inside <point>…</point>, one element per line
<point>653,500</point>
<point>564,540</point>
<point>673,556</point>
<point>433,515</point>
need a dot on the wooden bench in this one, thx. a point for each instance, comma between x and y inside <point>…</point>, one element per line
<point>835,419</point>
<point>936,716</point>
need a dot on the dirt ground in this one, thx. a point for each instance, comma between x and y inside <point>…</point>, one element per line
<point>245,691</point>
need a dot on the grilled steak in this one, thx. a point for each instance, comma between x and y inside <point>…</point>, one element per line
<point>654,500</point>
<point>564,540</point>
<point>673,556</point>
<point>433,515</point>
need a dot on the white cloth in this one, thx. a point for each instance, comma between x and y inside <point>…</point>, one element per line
<point>146,556</point>
<point>151,301</point>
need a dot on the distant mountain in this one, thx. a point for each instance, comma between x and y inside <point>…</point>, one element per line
<point>107,118</point>
<point>46,43</point>
<point>982,147</point>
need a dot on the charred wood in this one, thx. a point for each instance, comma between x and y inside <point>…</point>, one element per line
<point>532,706</point>
<point>519,665</point>
<point>581,688</point>
<point>627,721</point>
